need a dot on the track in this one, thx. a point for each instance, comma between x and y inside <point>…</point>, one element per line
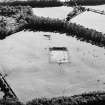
<point>6,89</point>
<point>79,9</point>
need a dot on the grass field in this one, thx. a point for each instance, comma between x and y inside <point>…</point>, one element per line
<point>91,19</point>
<point>87,19</point>
<point>25,58</point>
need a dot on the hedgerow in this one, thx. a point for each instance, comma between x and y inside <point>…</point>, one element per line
<point>36,23</point>
<point>14,10</point>
<point>25,20</point>
<point>92,98</point>
<point>10,102</point>
<point>61,26</point>
<point>35,3</point>
<point>85,2</point>
<point>12,19</point>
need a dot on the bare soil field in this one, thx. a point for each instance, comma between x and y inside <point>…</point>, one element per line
<point>24,56</point>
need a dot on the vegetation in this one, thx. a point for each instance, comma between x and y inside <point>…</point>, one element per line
<point>10,102</point>
<point>85,2</point>
<point>35,3</point>
<point>21,18</point>
<point>55,25</point>
<point>12,19</point>
<point>92,98</point>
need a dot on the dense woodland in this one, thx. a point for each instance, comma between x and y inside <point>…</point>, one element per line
<point>23,19</point>
<point>12,18</point>
<point>14,10</point>
<point>36,23</point>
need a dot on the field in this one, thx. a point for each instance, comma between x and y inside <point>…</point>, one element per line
<point>26,61</point>
<point>87,19</point>
<point>24,57</point>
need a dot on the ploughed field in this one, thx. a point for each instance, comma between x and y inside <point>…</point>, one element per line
<point>26,58</point>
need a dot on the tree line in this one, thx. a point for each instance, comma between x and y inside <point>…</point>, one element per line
<point>35,3</point>
<point>91,98</point>
<point>25,20</point>
<point>84,2</point>
<point>12,18</point>
<point>51,3</point>
<point>61,26</point>
<point>14,10</point>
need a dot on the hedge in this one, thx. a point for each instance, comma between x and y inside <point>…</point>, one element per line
<point>25,20</point>
<point>51,3</point>
<point>36,23</point>
<point>35,3</point>
<point>91,98</point>
<point>85,2</point>
<point>12,19</point>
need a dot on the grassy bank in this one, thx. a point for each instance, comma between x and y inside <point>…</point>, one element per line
<point>12,19</point>
<point>13,11</point>
<point>35,23</point>
<point>51,3</point>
